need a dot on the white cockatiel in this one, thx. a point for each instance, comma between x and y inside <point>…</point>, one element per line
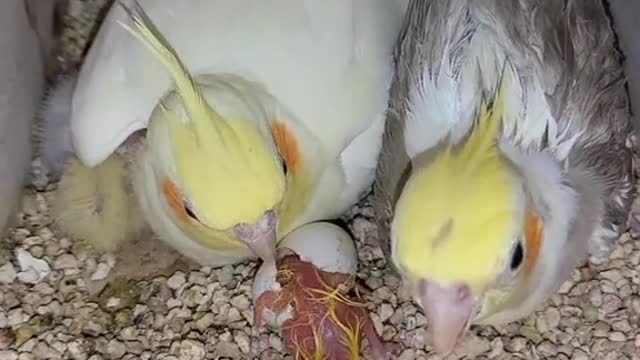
<point>506,158</point>
<point>226,124</point>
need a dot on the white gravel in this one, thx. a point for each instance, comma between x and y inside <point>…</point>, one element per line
<point>48,309</point>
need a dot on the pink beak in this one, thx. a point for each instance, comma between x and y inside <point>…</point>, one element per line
<point>448,310</point>
<point>260,237</point>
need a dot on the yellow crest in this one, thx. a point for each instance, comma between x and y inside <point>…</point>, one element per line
<point>228,169</point>
<point>456,212</point>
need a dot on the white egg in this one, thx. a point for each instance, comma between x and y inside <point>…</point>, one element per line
<point>323,244</point>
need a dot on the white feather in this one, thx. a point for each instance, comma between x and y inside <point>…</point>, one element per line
<point>323,61</point>
<point>447,102</point>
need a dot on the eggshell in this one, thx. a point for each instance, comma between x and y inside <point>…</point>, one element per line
<point>325,245</point>
<point>265,279</point>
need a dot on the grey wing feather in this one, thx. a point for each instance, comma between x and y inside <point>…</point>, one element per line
<point>392,166</point>
<point>570,47</point>
<point>625,14</point>
<point>394,163</point>
<point>591,99</point>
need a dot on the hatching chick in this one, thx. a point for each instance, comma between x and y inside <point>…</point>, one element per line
<point>93,203</point>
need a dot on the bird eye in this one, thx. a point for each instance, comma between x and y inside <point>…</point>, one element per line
<point>187,209</point>
<point>285,169</point>
<point>518,256</point>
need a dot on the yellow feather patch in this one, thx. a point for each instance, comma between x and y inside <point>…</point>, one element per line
<point>229,182</point>
<point>227,168</point>
<point>456,214</point>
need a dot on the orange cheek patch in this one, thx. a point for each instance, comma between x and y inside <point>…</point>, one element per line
<point>174,198</point>
<point>533,233</point>
<point>287,145</point>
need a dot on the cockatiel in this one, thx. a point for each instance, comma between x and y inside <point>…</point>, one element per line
<point>505,160</point>
<point>274,120</point>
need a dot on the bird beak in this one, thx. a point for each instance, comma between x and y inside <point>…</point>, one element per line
<point>448,310</point>
<point>260,236</point>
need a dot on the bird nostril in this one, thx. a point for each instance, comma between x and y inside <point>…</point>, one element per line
<point>456,292</point>
<point>244,231</point>
<point>268,219</point>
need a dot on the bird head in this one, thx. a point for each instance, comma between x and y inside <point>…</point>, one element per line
<point>464,230</point>
<point>222,178</point>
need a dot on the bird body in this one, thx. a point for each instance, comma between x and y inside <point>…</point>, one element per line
<point>238,115</point>
<point>505,159</point>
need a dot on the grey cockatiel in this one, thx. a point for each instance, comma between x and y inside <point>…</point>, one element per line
<point>26,41</point>
<point>505,159</point>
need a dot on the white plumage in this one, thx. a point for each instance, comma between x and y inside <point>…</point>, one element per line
<point>445,103</point>
<point>320,60</point>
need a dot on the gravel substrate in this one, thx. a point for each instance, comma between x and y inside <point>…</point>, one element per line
<point>49,309</point>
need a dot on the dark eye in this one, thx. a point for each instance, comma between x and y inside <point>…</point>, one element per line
<point>517,257</point>
<point>285,169</point>
<point>187,209</point>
